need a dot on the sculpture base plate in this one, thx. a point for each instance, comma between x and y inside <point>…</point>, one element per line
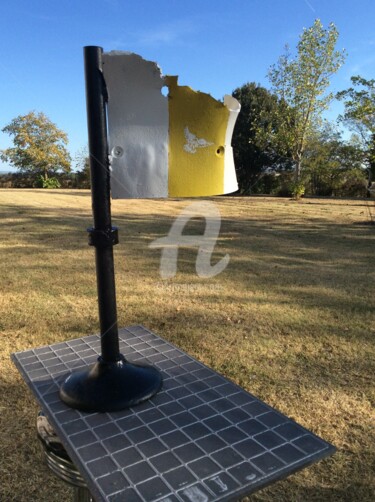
<point>112,386</point>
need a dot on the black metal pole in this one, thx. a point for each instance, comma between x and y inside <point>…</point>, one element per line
<point>102,236</point>
<point>113,383</point>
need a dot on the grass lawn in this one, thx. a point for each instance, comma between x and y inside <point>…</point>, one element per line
<point>291,319</point>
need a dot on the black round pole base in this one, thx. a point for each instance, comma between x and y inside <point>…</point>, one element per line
<point>110,386</point>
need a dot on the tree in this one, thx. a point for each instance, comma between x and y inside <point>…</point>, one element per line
<point>301,83</point>
<point>39,146</point>
<point>333,166</point>
<point>359,116</point>
<point>254,154</point>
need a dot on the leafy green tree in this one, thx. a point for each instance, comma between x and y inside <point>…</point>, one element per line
<point>39,146</point>
<point>359,116</point>
<point>254,153</point>
<point>301,83</point>
<point>333,166</point>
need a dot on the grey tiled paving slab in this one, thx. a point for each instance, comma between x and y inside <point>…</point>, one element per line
<point>200,439</point>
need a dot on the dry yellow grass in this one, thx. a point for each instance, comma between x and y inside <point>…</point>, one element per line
<point>291,318</point>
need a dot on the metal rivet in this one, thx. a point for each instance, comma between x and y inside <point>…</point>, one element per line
<point>117,151</point>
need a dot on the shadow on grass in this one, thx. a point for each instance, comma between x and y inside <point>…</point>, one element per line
<point>317,264</point>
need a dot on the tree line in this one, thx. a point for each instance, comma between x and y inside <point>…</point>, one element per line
<point>281,143</point>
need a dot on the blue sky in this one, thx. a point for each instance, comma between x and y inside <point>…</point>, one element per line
<point>214,46</point>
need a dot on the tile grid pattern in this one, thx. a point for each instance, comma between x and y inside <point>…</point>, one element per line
<point>201,438</point>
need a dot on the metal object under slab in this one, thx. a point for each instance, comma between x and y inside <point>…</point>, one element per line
<point>200,439</point>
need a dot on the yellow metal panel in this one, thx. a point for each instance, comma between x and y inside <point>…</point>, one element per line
<point>197,129</point>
